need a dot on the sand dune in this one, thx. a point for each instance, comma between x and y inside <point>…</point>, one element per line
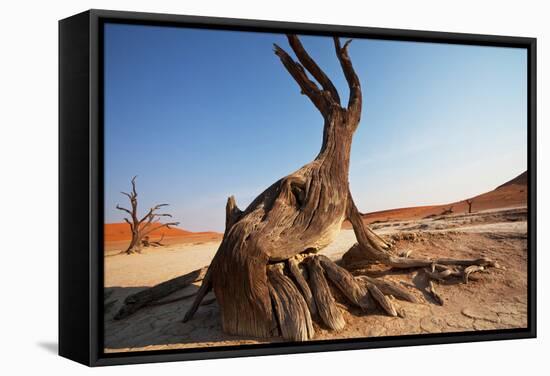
<point>521,179</point>
<point>121,231</point>
<point>508,195</point>
<point>117,236</point>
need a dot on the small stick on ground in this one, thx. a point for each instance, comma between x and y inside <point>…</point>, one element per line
<point>434,294</point>
<point>439,276</point>
<point>471,269</point>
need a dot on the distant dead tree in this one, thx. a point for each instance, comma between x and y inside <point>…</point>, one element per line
<point>470,201</point>
<point>447,211</point>
<point>142,227</point>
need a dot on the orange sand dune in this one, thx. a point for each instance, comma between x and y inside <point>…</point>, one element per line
<point>121,231</point>
<point>510,194</point>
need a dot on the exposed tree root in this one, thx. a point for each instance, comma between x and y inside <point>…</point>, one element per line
<point>354,291</point>
<point>369,245</point>
<point>381,299</point>
<point>298,274</point>
<point>326,305</point>
<point>300,291</point>
<point>299,288</point>
<point>389,288</point>
<point>291,310</point>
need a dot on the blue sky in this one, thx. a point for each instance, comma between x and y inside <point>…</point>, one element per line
<point>200,115</point>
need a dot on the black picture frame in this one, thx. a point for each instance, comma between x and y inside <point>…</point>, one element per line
<point>81,186</point>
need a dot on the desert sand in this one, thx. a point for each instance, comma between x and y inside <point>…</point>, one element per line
<point>496,229</point>
<point>117,236</point>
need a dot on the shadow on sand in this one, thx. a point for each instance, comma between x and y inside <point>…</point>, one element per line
<point>160,325</point>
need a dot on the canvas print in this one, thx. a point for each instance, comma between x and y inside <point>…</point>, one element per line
<point>268,188</point>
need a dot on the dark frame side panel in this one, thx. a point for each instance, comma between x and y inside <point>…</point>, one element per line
<point>74,188</point>
<point>81,186</point>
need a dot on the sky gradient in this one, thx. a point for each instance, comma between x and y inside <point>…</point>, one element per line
<point>200,115</point>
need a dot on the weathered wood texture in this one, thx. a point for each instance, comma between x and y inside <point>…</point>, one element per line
<point>302,211</point>
<point>390,288</point>
<point>291,310</point>
<point>354,291</point>
<point>298,275</point>
<point>326,305</point>
<point>381,299</point>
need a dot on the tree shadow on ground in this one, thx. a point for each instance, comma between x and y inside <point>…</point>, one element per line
<point>161,325</point>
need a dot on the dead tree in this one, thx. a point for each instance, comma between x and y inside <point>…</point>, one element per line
<point>140,228</point>
<point>254,273</point>
<point>470,201</point>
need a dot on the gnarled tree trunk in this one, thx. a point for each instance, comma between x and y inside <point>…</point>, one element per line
<point>292,220</point>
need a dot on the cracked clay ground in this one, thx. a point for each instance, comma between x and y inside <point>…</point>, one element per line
<point>493,300</point>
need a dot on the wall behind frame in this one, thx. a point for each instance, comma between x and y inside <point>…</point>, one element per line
<point>28,154</point>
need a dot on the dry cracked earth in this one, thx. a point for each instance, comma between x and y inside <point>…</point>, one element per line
<point>496,299</point>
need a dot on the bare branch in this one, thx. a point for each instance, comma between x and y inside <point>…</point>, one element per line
<point>123,209</point>
<point>153,219</point>
<point>130,223</point>
<point>355,98</point>
<point>152,210</point>
<point>307,86</point>
<point>134,192</point>
<point>127,194</point>
<point>312,67</point>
